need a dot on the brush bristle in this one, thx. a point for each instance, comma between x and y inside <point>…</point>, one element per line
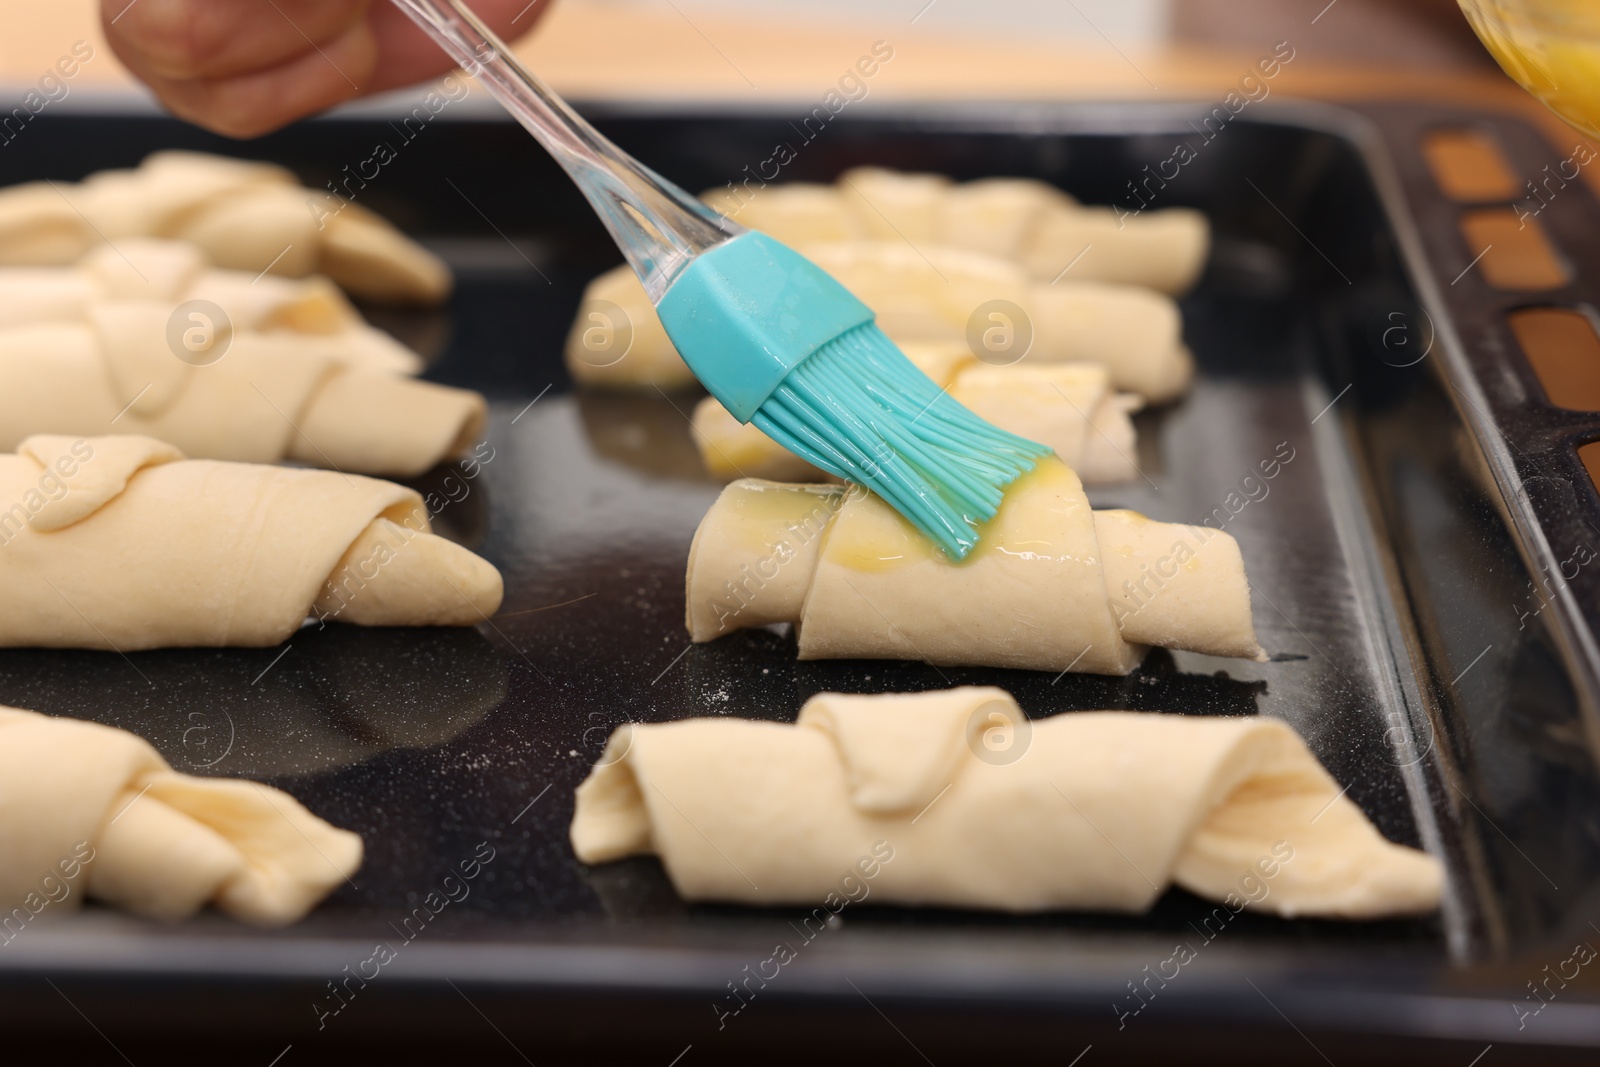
<point>859,409</point>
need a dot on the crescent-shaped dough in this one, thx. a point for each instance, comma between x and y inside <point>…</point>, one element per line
<point>617,338</point>
<point>997,216</point>
<point>924,295</point>
<point>172,273</point>
<point>120,543</point>
<point>794,212</point>
<point>1030,223</point>
<point>243,215</point>
<point>91,811</point>
<point>1164,250</point>
<point>1069,406</point>
<point>270,397</point>
<point>1051,586</point>
<point>300,376</point>
<point>893,205</point>
<point>912,797</point>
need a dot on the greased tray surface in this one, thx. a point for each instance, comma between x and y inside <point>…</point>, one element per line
<point>1380,548</point>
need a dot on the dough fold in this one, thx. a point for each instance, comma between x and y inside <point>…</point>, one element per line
<point>1051,586</point>
<point>243,215</point>
<point>98,811</point>
<point>925,295</point>
<point>1070,407</point>
<point>954,798</point>
<point>120,543</point>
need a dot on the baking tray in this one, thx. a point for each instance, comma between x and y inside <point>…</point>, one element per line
<point>1386,559</point>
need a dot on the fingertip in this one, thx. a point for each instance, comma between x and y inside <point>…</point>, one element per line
<point>213,39</point>
<point>255,104</point>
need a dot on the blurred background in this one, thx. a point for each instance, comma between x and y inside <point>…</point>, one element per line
<point>765,50</point>
<point>944,47</point>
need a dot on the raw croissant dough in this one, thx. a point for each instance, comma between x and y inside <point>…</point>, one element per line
<point>925,294</point>
<point>120,543</point>
<point>1101,810</point>
<point>300,376</point>
<point>1031,223</point>
<point>172,272</point>
<point>1051,586</point>
<point>243,215</point>
<point>98,811</point>
<point>1070,407</point>
<point>271,397</point>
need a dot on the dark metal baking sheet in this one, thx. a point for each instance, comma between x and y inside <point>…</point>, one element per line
<point>1384,555</point>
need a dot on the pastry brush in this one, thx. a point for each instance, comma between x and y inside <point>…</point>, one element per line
<point>768,333</point>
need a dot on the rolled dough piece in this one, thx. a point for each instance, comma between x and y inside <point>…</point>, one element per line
<point>1136,334</point>
<point>732,449</point>
<point>795,212</point>
<point>937,294</point>
<point>1099,811</point>
<point>270,397</point>
<point>1027,222</point>
<point>172,273</point>
<point>892,205</point>
<point>1034,224</point>
<point>369,257</point>
<point>617,338</point>
<point>165,190</point>
<point>1068,406</point>
<point>928,295</point>
<point>98,811</point>
<point>1051,586</point>
<point>120,543</point>
<point>996,216</point>
<point>244,216</point>
<point>1164,250</point>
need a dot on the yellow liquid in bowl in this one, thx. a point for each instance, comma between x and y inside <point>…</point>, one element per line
<point>1551,48</point>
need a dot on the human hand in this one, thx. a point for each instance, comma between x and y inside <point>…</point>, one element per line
<point>246,67</point>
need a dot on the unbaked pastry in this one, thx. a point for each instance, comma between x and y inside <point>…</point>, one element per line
<point>290,372</point>
<point>88,810</point>
<point>1070,407</point>
<point>617,338</point>
<point>171,273</point>
<point>1028,222</point>
<point>917,797</point>
<point>243,215</point>
<point>120,543</point>
<point>930,294</point>
<point>270,397</point>
<point>1052,585</point>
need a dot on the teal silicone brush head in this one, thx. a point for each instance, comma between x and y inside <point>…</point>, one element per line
<point>859,409</point>
<point>783,345</point>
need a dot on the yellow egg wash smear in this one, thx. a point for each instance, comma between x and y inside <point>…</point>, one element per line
<point>1030,523</point>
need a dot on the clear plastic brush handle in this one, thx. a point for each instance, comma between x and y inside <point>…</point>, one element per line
<point>659,227</point>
